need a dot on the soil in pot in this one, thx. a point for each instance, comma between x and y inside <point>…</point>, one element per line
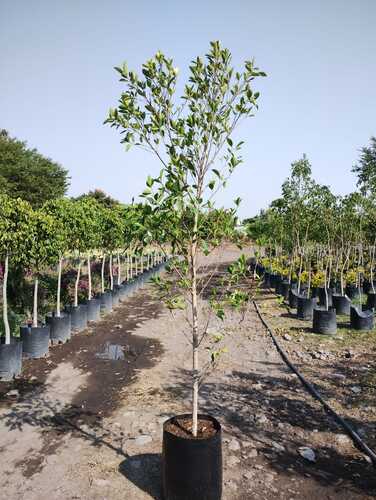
<point>10,358</point>
<point>361,320</point>
<point>60,327</point>
<point>35,340</point>
<point>106,302</point>
<point>371,301</point>
<point>93,309</point>
<point>192,467</point>
<point>341,303</point>
<point>305,307</point>
<point>78,317</point>
<point>324,321</point>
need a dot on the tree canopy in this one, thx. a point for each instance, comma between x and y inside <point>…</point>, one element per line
<point>27,174</point>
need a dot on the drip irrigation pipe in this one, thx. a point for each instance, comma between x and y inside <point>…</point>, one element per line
<point>359,443</point>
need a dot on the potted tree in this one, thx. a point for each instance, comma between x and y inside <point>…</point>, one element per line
<point>42,252</point>
<point>14,239</point>
<point>58,320</point>
<point>192,139</point>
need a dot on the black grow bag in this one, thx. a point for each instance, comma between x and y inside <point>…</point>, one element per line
<point>60,327</point>
<point>10,359</point>
<point>192,468</point>
<point>322,296</point>
<point>35,340</point>
<point>367,286</point>
<point>106,302</point>
<point>361,320</point>
<point>324,321</point>
<point>273,279</point>
<point>93,309</point>
<point>277,286</point>
<point>341,303</point>
<point>78,317</point>
<point>305,307</point>
<point>371,301</point>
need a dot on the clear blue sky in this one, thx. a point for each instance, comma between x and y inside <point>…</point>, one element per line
<point>57,83</point>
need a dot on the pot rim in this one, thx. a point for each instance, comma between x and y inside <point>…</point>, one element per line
<point>216,422</point>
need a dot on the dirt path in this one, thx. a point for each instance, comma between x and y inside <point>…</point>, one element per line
<point>90,428</point>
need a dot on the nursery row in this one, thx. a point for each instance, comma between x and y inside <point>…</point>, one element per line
<point>34,341</point>
<point>321,305</point>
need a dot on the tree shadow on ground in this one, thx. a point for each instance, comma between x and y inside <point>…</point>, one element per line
<point>278,417</point>
<point>144,471</point>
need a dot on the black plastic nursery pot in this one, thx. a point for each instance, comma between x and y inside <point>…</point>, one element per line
<point>277,286</point>
<point>352,291</point>
<point>293,298</point>
<point>78,317</point>
<point>367,286</point>
<point>106,302</point>
<point>361,320</point>
<point>192,468</point>
<point>273,279</point>
<point>93,309</point>
<point>305,307</point>
<point>341,303</point>
<point>60,327</point>
<point>324,321</point>
<point>314,292</point>
<point>10,359</point>
<point>322,296</point>
<point>266,283</point>
<point>371,301</point>
<point>35,340</point>
<point>284,289</point>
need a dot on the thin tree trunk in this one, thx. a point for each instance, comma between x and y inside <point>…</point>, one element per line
<point>89,293</point>
<point>5,300</point>
<point>195,341</point>
<point>58,287</point>
<point>102,271</point>
<point>35,308</point>
<point>111,273</point>
<point>76,284</point>
<point>119,270</point>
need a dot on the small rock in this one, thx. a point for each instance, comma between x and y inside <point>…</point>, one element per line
<point>33,379</point>
<point>232,461</point>
<point>338,376</point>
<point>143,439</point>
<point>261,419</point>
<point>234,445</point>
<point>278,446</point>
<point>118,327</point>
<point>14,393</point>
<point>249,474</point>
<point>343,439</point>
<point>287,337</point>
<point>356,389</point>
<point>253,453</point>
<point>307,453</point>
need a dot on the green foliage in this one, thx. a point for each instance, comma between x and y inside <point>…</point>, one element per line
<point>15,234</point>
<point>366,168</point>
<point>26,174</point>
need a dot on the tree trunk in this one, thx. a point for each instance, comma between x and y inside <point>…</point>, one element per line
<point>142,262</point>
<point>58,287</point>
<point>102,271</point>
<point>5,301</point>
<point>89,292</point>
<point>119,270</point>
<point>111,273</point>
<point>76,284</point>
<point>35,308</point>
<point>195,342</point>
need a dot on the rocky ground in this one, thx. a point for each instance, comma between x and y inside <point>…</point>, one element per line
<point>80,426</point>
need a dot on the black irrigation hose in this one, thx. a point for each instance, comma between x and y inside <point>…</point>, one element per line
<point>359,443</point>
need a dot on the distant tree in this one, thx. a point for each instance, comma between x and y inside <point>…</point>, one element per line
<point>26,174</point>
<point>366,168</point>
<point>101,197</point>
